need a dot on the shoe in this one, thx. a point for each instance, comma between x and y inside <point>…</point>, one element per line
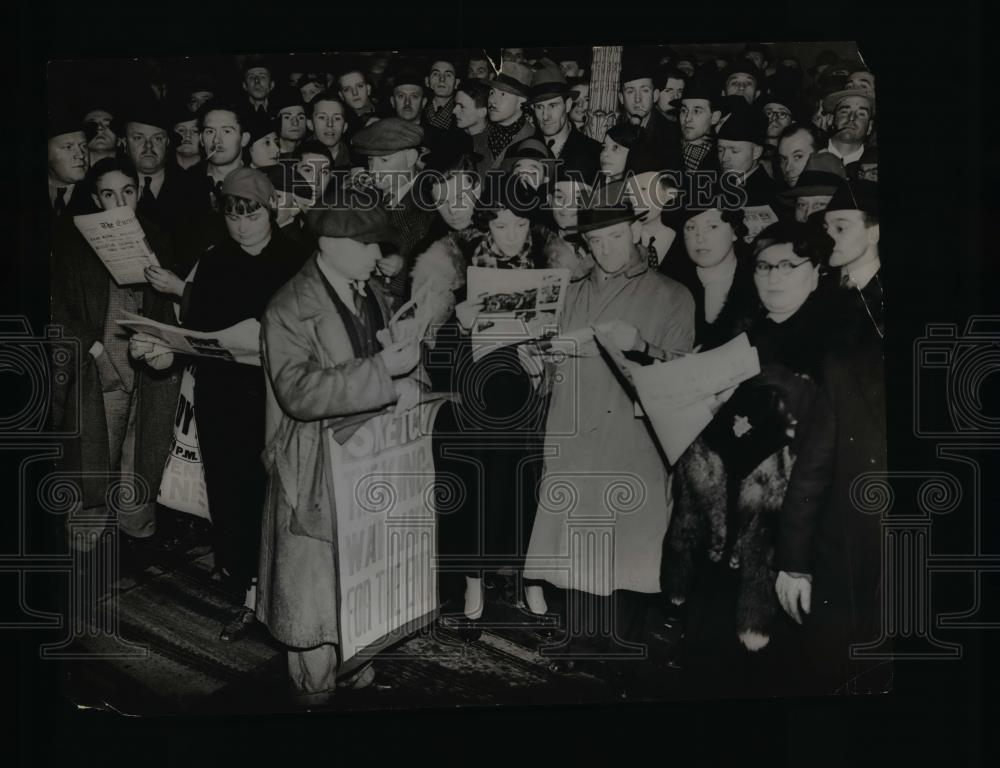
<point>238,626</point>
<point>468,630</point>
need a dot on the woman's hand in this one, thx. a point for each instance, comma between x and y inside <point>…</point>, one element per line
<point>164,281</point>
<point>148,349</point>
<point>624,336</point>
<point>466,311</point>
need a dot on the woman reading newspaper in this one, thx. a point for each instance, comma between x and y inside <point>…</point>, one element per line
<point>490,441</point>
<point>730,484</point>
<point>234,282</point>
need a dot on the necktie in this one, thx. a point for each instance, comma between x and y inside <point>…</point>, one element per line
<point>60,203</point>
<point>654,260</point>
<point>147,200</point>
<point>550,143</point>
<point>358,289</point>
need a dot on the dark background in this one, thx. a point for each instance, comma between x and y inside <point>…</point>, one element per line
<point>938,158</point>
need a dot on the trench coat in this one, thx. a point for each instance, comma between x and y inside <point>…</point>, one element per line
<point>80,290</point>
<point>605,483</point>
<point>313,381</point>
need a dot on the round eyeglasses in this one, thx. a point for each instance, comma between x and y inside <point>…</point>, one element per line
<point>784,267</point>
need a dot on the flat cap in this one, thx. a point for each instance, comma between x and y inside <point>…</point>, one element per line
<point>355,220</point>
<point>388,135</point>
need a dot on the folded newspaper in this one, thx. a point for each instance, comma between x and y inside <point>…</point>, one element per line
<point>237,344</point>
<point>518,305</point>
<point>119,242</point>
<point>676,395</point>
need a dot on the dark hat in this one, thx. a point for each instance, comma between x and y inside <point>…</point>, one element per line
<point>249,183</point>
<point>510,192</point>
<point>602,216</point>
<point>285,178</point>
<point>254,61</point>
<point>388,135</point>
<point>408,76</point>
<point>283,97</point>
<point>831,101</point>
<point>452,152</point>
<point>578,54</point>
<point>258,125</point>
<point>574,83</point>
<point>745,66</point>
<point>728,104</point>
<point>514,77</point>
<point>149,111</point>
<point>61,123</point>
<point>855,195</point>
<point>626,134</point>
<point>697,202</point>
<point>636,67</point>
<point>548,83</point>
<point>744,123</point>
<point>355,219</point>
<point>531,148</point>
<point>700,88</point>
<point>823,175</point>
<point>177,111</point>
<point>779,93</point>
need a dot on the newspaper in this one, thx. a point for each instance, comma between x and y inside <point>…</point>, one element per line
<point>237,344</point>
<point>676,395</point>
<point>518,305</point>
<point>757,218</point>
<point>119,242</point>
<point>412,319</point>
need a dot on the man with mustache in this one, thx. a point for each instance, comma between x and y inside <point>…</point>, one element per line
<point>853,114</point>
<point>408,96</point>
<point>509,122</point>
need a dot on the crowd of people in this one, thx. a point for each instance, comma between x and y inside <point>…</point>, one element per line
<point>731,195</point>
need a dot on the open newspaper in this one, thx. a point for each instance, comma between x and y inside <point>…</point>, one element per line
<point>412,319</point>
<point>119,242</point>
<point>237,344</point>
<point>676,395</point>
<point>518,305</point>
<point>757,218</point>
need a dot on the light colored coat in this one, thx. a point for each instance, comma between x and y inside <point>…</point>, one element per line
<point>314,381</point>
<point>603,504</point>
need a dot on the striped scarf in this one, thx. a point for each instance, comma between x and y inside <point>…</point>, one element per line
<point>488,254</point>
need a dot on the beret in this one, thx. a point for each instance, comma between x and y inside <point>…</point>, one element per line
<point>249,183</point>
<point>284,97</point>
<point>625,134</point>
<point>258,125</point>
<point>391,134</point>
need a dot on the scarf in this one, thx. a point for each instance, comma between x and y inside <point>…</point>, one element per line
<point>488,254</point>
<point>499,137</point>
